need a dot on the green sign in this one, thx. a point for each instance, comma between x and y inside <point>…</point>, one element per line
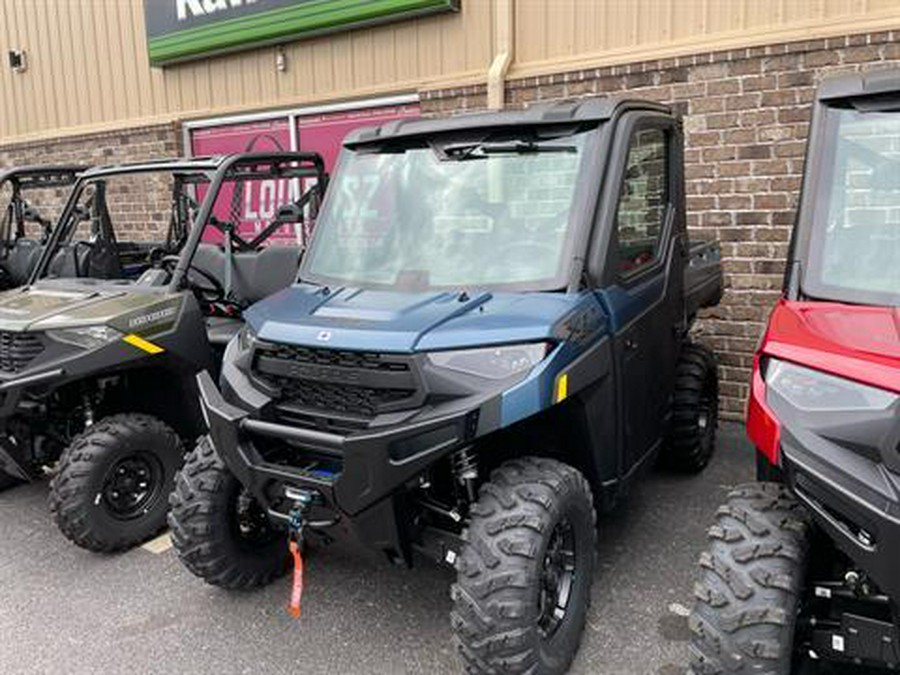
<point>178,30</point>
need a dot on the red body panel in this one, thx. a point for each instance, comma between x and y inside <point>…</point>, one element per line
<point>860,343</point>
<point>857,342</point>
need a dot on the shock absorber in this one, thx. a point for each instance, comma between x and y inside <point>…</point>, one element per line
<point>465,469</point>
<point>88,410</point>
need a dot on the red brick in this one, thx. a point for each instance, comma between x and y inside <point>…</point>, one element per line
<point>706,105</point>
<point>758,83</point>
<point>759,151</point>
<point>723,87</point>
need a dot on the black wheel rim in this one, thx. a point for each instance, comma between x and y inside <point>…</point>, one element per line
<point>557,579</point>
<point>251,524</point>
<point>132,486</point>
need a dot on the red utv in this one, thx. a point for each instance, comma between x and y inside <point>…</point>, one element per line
<point>803,567</point>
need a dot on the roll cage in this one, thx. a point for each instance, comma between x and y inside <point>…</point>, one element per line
<point>189,216</point>
<point>18,211</point>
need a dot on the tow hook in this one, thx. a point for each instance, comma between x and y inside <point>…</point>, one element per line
<point>302,501</point>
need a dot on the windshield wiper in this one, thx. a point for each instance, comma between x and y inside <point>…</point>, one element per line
<point>464,151</point>
<point>523,148</point>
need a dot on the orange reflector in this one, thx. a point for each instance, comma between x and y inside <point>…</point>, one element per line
<point>141,343</point>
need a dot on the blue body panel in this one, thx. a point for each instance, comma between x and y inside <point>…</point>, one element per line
<point>407,322</point>
<point>623,306</point>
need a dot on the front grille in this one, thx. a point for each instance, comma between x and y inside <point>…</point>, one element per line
<point>17,350</point>
<point>336,383</point>
<point>337,357</point>
<point>340,398</point>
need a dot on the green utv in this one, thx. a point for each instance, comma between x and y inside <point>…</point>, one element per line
<point>140,286</point>
<point>25,230</point>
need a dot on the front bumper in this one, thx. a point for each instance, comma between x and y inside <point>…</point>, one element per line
<point>365,468</point>
<point>16,453</point>
<point>854,499</point>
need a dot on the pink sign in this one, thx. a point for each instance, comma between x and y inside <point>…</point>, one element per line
<point>325,133</point>
<point>251,206</point>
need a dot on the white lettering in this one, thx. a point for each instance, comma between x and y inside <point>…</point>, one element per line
<point>267,200</point>
<point>204,7</point>
<point>211,6</point>
<point>249,213</point>
<point>182,7</point>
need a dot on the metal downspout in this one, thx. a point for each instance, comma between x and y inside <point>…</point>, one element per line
<point>503,39</point>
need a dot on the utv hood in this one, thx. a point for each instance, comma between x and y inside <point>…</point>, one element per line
<point>854,341</point>
<point>44,308</point>
<point>392,321</point>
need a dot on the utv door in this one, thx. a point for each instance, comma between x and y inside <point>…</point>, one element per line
<point>645,262</point>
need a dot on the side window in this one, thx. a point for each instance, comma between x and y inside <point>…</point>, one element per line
<point>642,203</point>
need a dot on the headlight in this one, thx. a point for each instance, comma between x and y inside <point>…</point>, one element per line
<point>246,338</point>
<point>87,337</point>
<point>812,390</point>
<point>493,363</point>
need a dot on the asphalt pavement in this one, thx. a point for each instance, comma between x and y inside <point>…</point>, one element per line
<point>64,610</point>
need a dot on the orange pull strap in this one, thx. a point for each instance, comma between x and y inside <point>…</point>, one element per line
<point>297,586</point>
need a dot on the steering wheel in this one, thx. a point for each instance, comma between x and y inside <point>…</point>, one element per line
<point>212,293</point>
<point>155,256</point>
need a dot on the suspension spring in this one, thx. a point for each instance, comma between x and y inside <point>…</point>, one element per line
<point>465,469</point>
<point>88,411</point>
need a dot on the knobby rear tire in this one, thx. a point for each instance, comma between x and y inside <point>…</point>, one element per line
<point>750,582</point>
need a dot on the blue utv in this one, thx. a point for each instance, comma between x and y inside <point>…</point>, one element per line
<point>487,341</point>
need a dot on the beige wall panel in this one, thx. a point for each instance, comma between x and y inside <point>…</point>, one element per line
<point>406,50</point>
<point>616,31</point>
<point>88,66</point>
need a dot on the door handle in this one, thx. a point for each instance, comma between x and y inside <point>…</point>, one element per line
<point>630,345</point>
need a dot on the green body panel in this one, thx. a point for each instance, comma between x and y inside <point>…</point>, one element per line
<point>41,308</point>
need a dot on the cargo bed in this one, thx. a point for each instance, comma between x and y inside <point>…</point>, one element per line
<point>703,276</point>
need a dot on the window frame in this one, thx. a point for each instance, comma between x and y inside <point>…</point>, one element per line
<point>638,274</point>
<point>815,207</point>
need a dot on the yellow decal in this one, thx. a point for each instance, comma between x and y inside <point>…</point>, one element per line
<point>141,343</point>
<point>562,387</point>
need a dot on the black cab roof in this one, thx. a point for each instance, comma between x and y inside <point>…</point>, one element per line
<point>875,83</point>
<point>590,109</point>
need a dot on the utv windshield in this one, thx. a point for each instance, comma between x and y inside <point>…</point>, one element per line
<point>450,215</point>
<point>855,237</point>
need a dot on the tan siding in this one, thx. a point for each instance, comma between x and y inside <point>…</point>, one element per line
<point>605,32</point>
<point>88,66</point>
<point>545,28</point>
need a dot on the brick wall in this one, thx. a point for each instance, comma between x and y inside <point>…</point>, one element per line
<point>143,218</point>
<point>746,115</point>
